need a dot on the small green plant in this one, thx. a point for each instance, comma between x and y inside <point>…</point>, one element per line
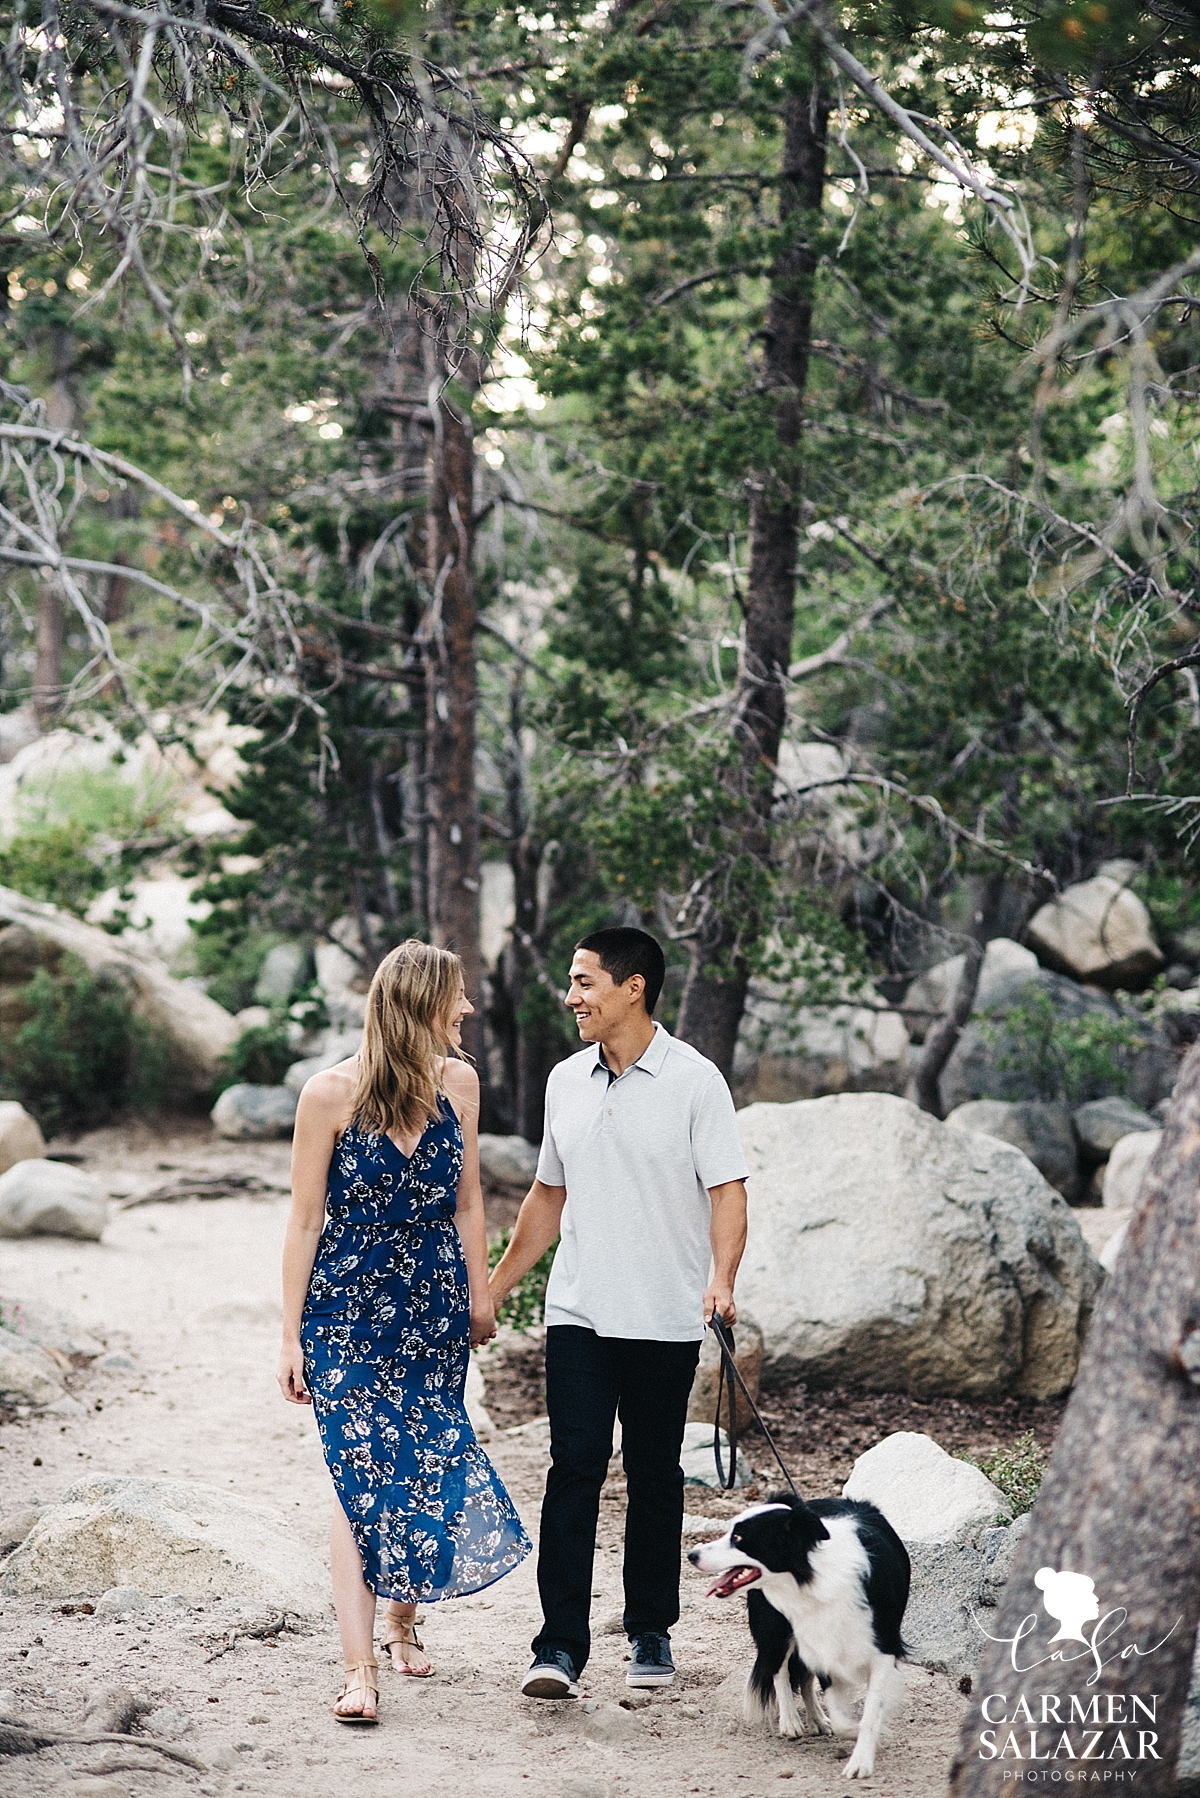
<point>525,1305</point>
<point>261,1055</point>
<point>1017,1471</point>
<point>80,1055</point>
<point>1055,1057</point>
<point>52,865</point>
<point>230,958</point>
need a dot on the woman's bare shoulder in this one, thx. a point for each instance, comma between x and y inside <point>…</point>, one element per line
<point>460,1079</point>
<point>330,1094</point>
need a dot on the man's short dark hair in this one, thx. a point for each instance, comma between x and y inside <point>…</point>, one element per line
<point>623,951</point>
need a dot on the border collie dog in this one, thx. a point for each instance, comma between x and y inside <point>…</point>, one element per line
<point>828,1586</point>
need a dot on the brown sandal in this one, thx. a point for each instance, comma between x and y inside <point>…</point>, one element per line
<point>362,1668</point>
<point>401,1634</point>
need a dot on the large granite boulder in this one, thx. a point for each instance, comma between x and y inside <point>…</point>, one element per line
<point>20,1137</point>
<point>339,1045</point>
<point>248,1113</point>
<point>889,1251</point>
<point>165,1536</point>
<point>198,1030</point>
<point>507,1161</point>
<point>787,1051</point>
<point>926,1494</point>
<point>748,1359</point>
<point>50,1198</point>
<point>994,1059</point>
<point>1127,1168</point>
<point>1043,1132</point>
<point>931,993</point>
<point>1101,1123</point>
<point>1097,931</point>
<point>282,972</point>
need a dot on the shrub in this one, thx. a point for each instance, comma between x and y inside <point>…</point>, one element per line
<point>1016,1471</point>
<point>51,865</point>
<point>525,1305</point>
<point>1058,1057</point>
<point>230,959</point>
<point>262,1055</point>
<point>81,1055</point>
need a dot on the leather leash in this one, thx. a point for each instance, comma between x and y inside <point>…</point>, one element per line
<point>727,1376</point>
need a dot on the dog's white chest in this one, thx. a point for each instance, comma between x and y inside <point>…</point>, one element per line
<point>829,1614</point>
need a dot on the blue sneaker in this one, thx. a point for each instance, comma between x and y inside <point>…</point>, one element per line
<point>652,1663</point>
<point>552,1675</point>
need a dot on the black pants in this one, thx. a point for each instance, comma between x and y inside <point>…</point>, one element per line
<point>589,1380</point>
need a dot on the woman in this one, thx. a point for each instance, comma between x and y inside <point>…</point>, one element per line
<point>384,1293</point>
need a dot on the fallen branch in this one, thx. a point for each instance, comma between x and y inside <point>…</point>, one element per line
<point>274,1625</point>
<point>203,1186</point>
<point>18,1739</point>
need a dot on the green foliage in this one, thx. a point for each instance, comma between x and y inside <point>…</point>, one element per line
<point>81,1055</point>
<point>50,865</point>
<point>1017,1471</point>
<point>1058,1057</point>
<point>229,953</point>
<point>525,1305</point>
<point>261,1055</point>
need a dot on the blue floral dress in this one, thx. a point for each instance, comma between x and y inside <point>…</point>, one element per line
<point>386,1336</point>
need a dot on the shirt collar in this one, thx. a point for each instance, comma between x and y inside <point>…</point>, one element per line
<point>651,1058</point>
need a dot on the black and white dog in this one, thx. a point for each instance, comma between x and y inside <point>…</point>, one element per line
<point>829,1583</point>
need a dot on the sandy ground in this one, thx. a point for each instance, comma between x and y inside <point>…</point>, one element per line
<point>190,1291</point>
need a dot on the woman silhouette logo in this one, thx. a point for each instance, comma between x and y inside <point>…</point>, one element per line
<point>1070,1598</point>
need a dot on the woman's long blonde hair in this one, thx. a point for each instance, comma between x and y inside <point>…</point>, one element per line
<point>409,1004</point>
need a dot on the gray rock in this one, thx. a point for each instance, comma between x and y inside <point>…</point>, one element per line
<point>28,1376</point>
<point>116,1362</point>
<point>47,1328</point>
<point>926,1494</point>
<point>950,1582</point>
<point>609,1723</point>
<point>1097,931</point>
<point>748,1353</point>
<point>699,1463</point>
<point>247,1113</point>
<point>1113,1247</point>
<point>168,1723</point>
<point>991,1062</point>
<point>1127,1167</point>
<point>16,1525</point>
<point>1044,1132</point>
<point>931,993</point>
<point>889,1251</point>
<point>281,973</point>
<point>338,1047</point>
<point>1101,1124</point>
<point>120,1601</point>
<point>1188,1765</point>
<point>1185,945</point>
<point>20,1137</point>
<point>166,1536</point>
<point>507,1161</point>
<point>787,1050</point>
<point>48,1198</point>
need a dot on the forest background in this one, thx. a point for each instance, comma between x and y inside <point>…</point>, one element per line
<point>740,497</point>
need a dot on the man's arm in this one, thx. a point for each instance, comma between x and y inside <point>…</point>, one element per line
<point>728,1237</point>
<point>535,1229</point>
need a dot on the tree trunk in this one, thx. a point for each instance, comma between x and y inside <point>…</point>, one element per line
<point>1121,1505</point>
<point>451,802</point>
<point>715,992</point>
<point>62,414</point>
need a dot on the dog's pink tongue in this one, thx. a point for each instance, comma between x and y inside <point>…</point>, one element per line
<point>725,1584</point>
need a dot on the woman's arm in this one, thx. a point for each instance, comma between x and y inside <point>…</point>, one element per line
<point>322,1112</point>
<point>461,1084</point>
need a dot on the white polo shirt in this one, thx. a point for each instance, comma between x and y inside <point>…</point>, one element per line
<point>637,1156</point>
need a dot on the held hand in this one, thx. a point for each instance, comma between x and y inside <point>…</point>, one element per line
<point>720,1298</point>
<point>483,1323</point>
<point>290,1375</point>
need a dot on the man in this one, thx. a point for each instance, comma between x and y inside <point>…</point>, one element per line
<point>642,1170</point>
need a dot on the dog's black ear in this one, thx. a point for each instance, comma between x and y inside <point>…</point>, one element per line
<point>805,1527</point>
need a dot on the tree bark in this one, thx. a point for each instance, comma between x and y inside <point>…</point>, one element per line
<point>1120,1503</point>
<point>718,974</point>
<point>451,801</point>
<point>62,414</point>
<point>941,1041</point>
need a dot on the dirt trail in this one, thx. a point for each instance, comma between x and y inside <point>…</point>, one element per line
<point>190,1291</point>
